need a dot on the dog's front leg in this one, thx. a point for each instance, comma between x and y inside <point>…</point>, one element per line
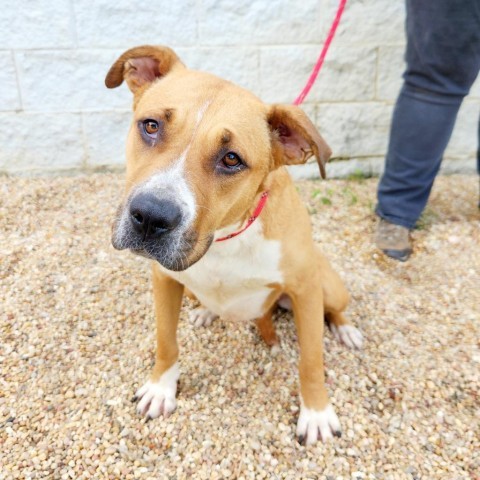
<point>317,419</point>
<point>157,396</point>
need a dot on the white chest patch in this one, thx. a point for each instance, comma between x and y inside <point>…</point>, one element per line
<point>231,279</point>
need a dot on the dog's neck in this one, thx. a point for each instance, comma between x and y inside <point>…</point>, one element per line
<point>258,210</point>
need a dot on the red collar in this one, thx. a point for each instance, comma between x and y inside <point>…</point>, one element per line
<point>256,213</point>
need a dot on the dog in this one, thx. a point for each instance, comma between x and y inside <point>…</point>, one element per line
<point>209,200</point>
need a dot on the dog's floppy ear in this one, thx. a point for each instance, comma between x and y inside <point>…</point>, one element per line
<point>294,137</point>
<point>140,66</point>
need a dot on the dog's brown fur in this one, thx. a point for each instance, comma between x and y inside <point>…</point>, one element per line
<point>269,137</point>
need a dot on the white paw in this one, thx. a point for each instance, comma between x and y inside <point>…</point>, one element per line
<point>275,350</point>
<point>202,317</point>
<point>285,302</point>
<point>316,425</point>
<point>158,398</point>
<point>348,335</point>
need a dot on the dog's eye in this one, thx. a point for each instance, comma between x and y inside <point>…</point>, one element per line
<point>232,161</point>
<point>151,127</point>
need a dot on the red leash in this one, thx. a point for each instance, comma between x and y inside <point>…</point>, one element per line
<point>323,54</point>
<point>298,101</point>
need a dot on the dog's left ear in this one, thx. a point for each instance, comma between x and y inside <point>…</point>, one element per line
<point>295,138</point>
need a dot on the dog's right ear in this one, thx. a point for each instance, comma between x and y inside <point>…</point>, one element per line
<point>140,66</point>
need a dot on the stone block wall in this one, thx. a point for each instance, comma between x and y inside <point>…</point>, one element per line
<point>56,115</point>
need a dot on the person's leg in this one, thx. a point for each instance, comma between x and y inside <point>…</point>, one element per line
<point>443,59</point>
<point>478,148</point>
<point>421,127</point>
<point>478,158</point>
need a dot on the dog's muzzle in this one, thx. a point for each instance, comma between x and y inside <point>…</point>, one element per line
<point>155,228</point>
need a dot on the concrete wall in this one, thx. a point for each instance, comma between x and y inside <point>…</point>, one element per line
<point>56,114</point>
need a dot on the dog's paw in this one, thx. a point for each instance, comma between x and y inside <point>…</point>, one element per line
<point>316,425</point>
<point>202,317</point>
<point>285,302</point>
<point>348,335</point>
<point>158,398</point>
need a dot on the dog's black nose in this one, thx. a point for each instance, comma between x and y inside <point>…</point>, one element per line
<point>152,217</point>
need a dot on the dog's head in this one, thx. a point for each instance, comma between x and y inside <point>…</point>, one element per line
<point>198,152</point>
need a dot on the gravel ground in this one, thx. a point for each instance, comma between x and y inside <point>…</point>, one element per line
<point>77,339</point>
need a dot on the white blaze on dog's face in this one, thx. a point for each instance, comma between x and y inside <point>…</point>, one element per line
<point>198,152</point>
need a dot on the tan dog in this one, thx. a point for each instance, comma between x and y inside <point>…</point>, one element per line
<point>203,155</point>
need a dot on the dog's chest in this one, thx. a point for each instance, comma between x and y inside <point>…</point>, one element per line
<point>232,278</point>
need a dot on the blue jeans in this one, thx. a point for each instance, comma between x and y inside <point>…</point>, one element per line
<point>443,60</point>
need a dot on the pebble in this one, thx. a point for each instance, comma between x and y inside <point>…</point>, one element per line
<point>78,339</point>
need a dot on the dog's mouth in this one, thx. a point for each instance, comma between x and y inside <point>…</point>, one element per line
<point>175,259</point>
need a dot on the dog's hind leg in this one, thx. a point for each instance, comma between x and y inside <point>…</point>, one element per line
<point>266,329</point>
<point>285,302</point>
<point>343,331</point>
<point>336,297</point>
<point>202,317</point>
